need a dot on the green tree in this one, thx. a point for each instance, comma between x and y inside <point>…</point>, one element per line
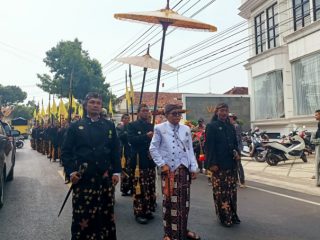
<point>22,111</point>
<point>31,103</point>
<point>68,60</point>
<point>10,95</point>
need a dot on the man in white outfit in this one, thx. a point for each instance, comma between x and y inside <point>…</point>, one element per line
<point>171,149</point>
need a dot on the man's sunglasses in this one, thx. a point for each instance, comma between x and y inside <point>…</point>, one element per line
<point>176,114</point>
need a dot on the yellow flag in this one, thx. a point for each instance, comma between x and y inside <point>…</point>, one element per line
<point>74,102</point>
<point>42,113</point>
<point>48,111</point>
<point>62,110</point>
<point>38,113</point>
<point>131,92</point>
<point>128,96</point>
<point>80,111</point>
<point>35,113</point>
<point>54,108</point>
<point>110,107</point>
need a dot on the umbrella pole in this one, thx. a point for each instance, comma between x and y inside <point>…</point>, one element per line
<point>164,30</point>
<point>142,87</point>
<point>131,92</point>
<point>132,114</point>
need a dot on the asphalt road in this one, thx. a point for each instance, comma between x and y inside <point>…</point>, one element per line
<point>34,197</point>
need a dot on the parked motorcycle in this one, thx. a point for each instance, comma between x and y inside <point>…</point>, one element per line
<point>277,152</point>
<point>306,136</point>
<point>252,145</point>
<point>20,142</point>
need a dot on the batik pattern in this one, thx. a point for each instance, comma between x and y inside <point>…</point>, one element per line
<point>93,210</point>
<point>39,145</point>
<point>176,203</point>
<point>33,144</point>
<point>145,201</point>
<point>126,181</point>
<point>224,185</point>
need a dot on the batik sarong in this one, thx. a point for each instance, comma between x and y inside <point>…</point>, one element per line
<point>53,152</point>
<point>126,181</point>
<point>93,209</point>
<point>176,203</point>
<point>39,145</point>
<point>144,201</point>
<point>46,148</point>
<point>49,153</point>
<point>33,143</point>
<point>224,185</point>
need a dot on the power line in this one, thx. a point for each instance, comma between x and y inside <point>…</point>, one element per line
<point>134,43</point>
<point>134,74</point>
<point>235,27</point>
<point>222,49</point>
<point>210,75</point>
<point>216,37</point>
<point>19,50</point>
<point>284,22</point>
<point>142,45</point>
<point>152,44</point>
<point>191,80</point>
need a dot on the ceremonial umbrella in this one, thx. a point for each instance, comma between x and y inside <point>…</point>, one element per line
<point>166,17</point>
<point>145,61</point>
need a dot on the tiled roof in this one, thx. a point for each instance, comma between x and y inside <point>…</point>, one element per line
<point>238,91</point>
<point>163,98</point>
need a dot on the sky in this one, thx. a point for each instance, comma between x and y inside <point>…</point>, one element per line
<point>30,28</point>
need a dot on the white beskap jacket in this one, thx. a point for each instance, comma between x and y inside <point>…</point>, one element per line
<point>173,149</point>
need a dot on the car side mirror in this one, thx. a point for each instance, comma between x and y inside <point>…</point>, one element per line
<point>15,133</point>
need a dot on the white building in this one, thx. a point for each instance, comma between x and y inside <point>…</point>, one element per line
<point>284,63</point>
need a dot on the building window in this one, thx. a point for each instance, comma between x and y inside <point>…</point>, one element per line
<point>268,96</point>
<point>306,84</point>
<point>272,26</point>
<point>301,13</point>
<point>316,9</point>
<point>260,38</point>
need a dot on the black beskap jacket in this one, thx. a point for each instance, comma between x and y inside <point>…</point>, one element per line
<point>95,143</point>
<point>140,143</point>
<point>122,132</point>
<point>221,140</point>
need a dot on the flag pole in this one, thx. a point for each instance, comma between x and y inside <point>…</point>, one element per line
<point>131,91</point>
<point>49,110</point>
<point>70,95</point>
<point>127,104</point>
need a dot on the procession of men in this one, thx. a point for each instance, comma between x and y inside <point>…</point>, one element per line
<point>96,154</point>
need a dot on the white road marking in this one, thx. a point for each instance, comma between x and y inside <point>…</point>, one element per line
<point>284,195</point>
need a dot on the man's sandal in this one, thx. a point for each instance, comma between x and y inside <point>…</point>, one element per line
<point>192,236</point>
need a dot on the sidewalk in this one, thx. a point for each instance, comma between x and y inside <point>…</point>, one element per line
<point>293,175</point>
